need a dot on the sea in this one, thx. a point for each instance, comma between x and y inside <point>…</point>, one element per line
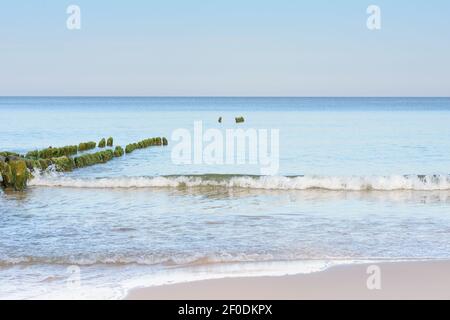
<point>357,180</point>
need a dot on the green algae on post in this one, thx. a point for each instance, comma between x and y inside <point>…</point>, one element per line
<point>16,170</point>
<point>20,174</point>
<point>33,164</point>
<point>63,164</point>
<point>106,156</point>
<point>51,152</point>
<point>84,146</point>
<point>102,143</point>
<point>5,171</point>
<point>130,147</point>
<point>118,151</point>
<point>14,174</point>
<point>158,141</point>
<point>91,159</point>
<point>8,154</point>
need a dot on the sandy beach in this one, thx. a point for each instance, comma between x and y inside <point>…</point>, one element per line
<point>399,280</point>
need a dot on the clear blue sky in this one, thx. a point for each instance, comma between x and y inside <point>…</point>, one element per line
<point>227,47</point>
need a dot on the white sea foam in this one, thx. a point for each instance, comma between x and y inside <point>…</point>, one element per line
<point>114,282</point>
<point>337,183</point>
<point>143,259</point>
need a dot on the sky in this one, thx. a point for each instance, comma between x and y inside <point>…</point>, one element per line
<point>225,48</point>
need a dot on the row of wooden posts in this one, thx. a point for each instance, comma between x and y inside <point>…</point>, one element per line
<point>16,169</point>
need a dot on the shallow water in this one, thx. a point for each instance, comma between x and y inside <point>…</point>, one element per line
<point>359,179</point>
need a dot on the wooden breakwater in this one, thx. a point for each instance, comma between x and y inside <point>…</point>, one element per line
<point>145,144</point>
<point>16,169</point>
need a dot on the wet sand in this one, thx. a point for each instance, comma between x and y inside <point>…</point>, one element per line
<point>398,280</point>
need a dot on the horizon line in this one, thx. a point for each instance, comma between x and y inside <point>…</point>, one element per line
<point>206,96</point>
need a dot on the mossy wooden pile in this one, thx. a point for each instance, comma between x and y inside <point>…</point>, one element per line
<point>41,164</point>
<point>145,144</point>
<point>91,159</point>
<point>102,143</point>
<point>239,119</point>
<point>52,152</point>
<point>16,169</point>
<point>118,152</point>
<point>63,164</point>
<point>14,174</point>
<point>85,146</point>
<point>8,154</point>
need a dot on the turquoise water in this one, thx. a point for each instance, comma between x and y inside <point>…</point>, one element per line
<point>359,179</point>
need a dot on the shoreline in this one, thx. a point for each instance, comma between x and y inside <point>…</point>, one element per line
<point>398,280</point>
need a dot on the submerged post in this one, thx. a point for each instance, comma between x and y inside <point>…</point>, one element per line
<point>239,119</point>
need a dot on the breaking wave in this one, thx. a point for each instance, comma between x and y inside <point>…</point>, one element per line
<point>335,183</point>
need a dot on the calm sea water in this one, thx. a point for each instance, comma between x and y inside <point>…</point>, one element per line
<point>360,179</point>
